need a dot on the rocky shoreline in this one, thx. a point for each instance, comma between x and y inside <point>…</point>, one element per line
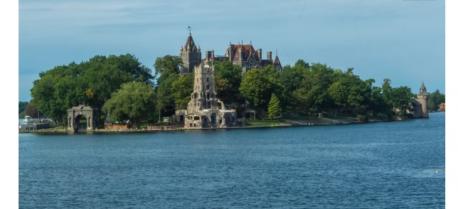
<point>251,125</point>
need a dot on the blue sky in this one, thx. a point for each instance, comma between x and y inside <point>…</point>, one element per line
<point>403,40</point>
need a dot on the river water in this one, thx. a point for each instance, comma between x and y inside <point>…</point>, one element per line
<point>379,165</point>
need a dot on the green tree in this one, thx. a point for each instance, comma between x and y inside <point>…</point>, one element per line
<point>22,106</point>
<point>274,108</point>
<point>165,66</point>
<point>31,110</point>
<point>294,81</point>
<point>434,100</point>
<point>227,81</point>
<point>90,82</point>
<point>165,100</point>
<point>133,101</point>
<point>401,99</point>
<point>167,70</point>
<point>182,89</point>
<point>258,85</point>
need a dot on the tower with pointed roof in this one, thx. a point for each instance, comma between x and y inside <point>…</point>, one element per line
<point>277,63</point>
<point>190,55</point>
<point>422,99</point>
<point>204,109</point>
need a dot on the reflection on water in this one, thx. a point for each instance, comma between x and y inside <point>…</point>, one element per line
<point>381,165</point>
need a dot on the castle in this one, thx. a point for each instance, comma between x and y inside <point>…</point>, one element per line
<point>420,104</point>
<point>204,110</point>
<point>243,55</point>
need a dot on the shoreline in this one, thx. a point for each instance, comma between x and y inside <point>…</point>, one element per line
<point>273,124</point>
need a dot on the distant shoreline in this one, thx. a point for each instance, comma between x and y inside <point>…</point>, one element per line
<point>274,124</point>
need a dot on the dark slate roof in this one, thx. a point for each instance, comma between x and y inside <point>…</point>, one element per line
<point>277,61</point>
<point>190,43</point>
<point>247,51</point>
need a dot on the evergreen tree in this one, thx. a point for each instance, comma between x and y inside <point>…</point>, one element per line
<point>274,109</point>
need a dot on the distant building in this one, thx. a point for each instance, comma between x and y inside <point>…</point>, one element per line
<point>243,55</point>
<point>420,105</point>
<point>204,109</point>
<point>247,57</point>
<point>442,107</point>
<point>190,55</point>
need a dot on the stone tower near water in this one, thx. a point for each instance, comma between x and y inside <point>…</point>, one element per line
<point>190,55</point>
<point>204,109</point>
<point>422,100</point>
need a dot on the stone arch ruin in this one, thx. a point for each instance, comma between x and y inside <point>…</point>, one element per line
<point>74,116</point>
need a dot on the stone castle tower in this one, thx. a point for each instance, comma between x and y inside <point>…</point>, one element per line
<point>204,109</point>
<point>190,55</point>
<point>204,92</point>
<point>422,99</point>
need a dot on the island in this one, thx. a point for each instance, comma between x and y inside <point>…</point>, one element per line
<point>239,89</point>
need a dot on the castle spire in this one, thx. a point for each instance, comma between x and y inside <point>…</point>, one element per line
<point>423,90</point>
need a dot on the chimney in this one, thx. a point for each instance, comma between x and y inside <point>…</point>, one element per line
<point>210,55</point>
<point>239,52</point>
<point>269,55</point>
<point>260,54</point>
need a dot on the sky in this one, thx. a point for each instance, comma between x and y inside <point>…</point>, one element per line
<point>403,40</point>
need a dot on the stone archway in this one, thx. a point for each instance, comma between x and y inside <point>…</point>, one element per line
<point>74,116</point>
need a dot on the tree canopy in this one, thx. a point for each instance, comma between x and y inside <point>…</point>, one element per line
<point>90,82</point>
<point>274,109</point>
<point>301,89</point>
<point>435,99</point>
<point>134,101</point>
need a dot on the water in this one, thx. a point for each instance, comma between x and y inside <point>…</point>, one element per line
<point>381,165</point>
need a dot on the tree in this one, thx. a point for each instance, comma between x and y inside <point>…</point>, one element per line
<point>227,81</point>
<point>90,82</point>
<point>292,79</point>
<point>133,101</point>
<point>165,100</point>
<point>31,110</point>
<point>258,85</point>
<point>401,98</point>
<point>182,89</point>
<point>22,106</point>
<point>165,66</point>
<point>274,108</point>
<point>434,100</point>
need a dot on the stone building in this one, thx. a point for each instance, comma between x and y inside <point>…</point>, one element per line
<point>420,105</point>
<point>204,109</point>
<point>244,55</point>
<point>247,57</point>
<point>190,55</point>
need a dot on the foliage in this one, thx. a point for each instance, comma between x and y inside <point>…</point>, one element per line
<point>401,98</point>
<point>166,66</point>
<point>181,89</point>
<point>227,81</point>
<point>133,102</point>
<point>165,96</point>
<point>434,100</point>
<point>91,82</point>
<point>31,110</point>
<point>258,85</point>
<point>302,89</point>
<point>22,106</point>
<point>170,85</point>
<point>274,108</point>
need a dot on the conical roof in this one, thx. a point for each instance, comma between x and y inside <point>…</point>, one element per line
<point>190,43</point>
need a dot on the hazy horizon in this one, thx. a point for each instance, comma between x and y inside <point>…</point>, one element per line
<point>403,40</point>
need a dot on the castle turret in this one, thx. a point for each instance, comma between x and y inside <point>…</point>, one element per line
<point>190,55</point>
<point>422,99</point>
<point>204,91</point>
<point>269,56</point>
